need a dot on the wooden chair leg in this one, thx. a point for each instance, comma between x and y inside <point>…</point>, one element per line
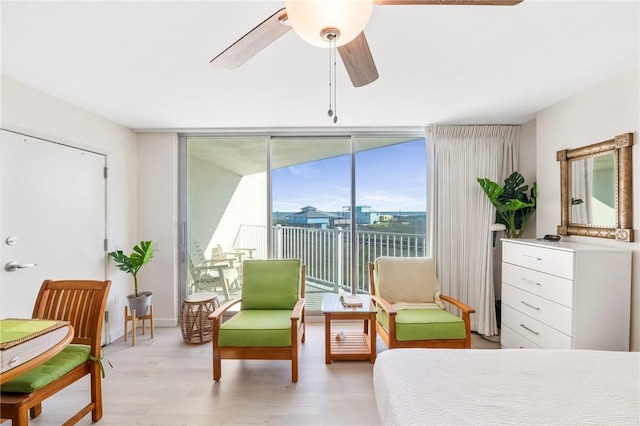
<point>20,417</point>
<point>294,352</point>
<point>35,411</point>
<point>217,362</point>
<point>96,393</point>
<point>294,369</point>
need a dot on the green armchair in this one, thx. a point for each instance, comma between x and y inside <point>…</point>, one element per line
<point>271,320</point>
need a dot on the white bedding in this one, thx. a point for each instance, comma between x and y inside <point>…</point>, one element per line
<point>509,386</point>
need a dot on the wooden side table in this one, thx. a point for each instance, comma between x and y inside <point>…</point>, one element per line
<point>355,345</point>
<point>194,317</point>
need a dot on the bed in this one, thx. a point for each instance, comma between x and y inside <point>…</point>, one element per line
<point>508,386</point>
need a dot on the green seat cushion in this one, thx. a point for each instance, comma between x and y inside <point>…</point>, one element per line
<point>69,358</point>
<point>257,328</point>
<point>270,284</point>
<point>424,324</point>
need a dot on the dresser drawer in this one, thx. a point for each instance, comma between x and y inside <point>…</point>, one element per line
<point>551,287</point>
<point>509,339</point>
<point>535,331</point>
<point>550,261</point>
<point>547,312</point>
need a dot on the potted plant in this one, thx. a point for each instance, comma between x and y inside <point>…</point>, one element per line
<point>141,255</point>
<point>511,201</point>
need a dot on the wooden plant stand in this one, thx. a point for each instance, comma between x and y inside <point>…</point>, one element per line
<point>131,317</point>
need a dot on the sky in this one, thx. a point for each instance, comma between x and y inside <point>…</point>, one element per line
<point>392,178</point>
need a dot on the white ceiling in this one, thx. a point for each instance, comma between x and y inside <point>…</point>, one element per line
<point>146,64</point>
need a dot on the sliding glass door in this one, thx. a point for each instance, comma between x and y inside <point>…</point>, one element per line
<point>324,199</point>
<point>226,204</point>
<point>311,187</point>
<point>391,200</point>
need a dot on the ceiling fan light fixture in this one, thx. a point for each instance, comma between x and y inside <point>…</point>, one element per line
<point>312,18</point>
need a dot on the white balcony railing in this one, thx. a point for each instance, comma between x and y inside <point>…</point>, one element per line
<point>326,252</point>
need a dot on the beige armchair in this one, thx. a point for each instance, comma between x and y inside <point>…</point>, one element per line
<point>411,314</point>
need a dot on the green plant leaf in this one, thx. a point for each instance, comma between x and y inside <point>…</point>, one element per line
<point>141,255</point>
<point>514,207</point>
<point>492,189</point>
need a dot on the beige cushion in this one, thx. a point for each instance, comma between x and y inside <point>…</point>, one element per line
<point>407,279</point>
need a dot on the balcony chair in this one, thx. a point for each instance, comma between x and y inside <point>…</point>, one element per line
<point>411,314</point>
<point>82,303</point>
<point>220,277</point>
<point>237,254</point>
<point>271,320</point>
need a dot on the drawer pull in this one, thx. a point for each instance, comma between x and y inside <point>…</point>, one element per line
<point>532,257</point>
<point>530,281</point>
<point>531,306</point>
<point>529,330</point>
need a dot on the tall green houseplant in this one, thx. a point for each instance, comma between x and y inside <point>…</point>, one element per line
<point>513,205</point>
<point>141,255</point>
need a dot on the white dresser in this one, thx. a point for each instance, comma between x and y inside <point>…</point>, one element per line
<point>565,295</point>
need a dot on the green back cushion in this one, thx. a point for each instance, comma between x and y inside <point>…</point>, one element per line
<point>407,279</point>
<point>257,328</point>
<point>270,284</point>
<point>424,324</point>
<point>69,358</point>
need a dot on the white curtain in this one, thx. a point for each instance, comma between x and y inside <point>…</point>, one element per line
<point>463,213</point>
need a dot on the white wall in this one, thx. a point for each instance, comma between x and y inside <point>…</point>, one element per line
<point>598,114</point>
<point>248,206</point>
<point>35,113</point>
<point>220,202</point>
<point>158,222</point>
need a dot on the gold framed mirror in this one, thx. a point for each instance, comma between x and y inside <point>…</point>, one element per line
<point>596,195</point>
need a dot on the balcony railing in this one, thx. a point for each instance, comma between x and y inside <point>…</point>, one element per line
<point>326,252</point>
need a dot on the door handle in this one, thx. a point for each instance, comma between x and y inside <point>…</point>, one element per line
<point>12,266</point>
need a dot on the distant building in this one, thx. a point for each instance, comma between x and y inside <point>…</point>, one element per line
<point>386,217</point>
<point>364,215</point>
<point>311,217</point>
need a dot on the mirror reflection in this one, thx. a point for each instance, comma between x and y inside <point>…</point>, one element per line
<point>596,197</point>
<point>593,188</point>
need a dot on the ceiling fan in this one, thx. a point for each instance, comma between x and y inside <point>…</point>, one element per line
<point>327,23</point>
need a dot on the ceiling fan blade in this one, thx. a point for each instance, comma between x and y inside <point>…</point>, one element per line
<point>358,61</point>
<point>449,2</point>
<point>254,41</point>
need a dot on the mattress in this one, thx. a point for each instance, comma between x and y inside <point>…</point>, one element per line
<point>508,386</point>
<point>23,340</point>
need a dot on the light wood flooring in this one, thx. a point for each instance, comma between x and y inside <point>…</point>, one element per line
<point>167,382</point>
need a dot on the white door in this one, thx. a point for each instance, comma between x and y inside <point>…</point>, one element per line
<point>52,216</point>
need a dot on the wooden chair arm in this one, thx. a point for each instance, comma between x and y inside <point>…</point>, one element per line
<point>297,309</point>
<point>458,304</point>
<point>386,306</point>
<point>217,314</point>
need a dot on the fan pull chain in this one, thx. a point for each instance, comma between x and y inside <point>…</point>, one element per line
<point>335,84</point>
<point>330,112</point>
<point>333,104</point>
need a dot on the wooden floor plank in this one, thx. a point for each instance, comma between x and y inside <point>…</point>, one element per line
<point>163,381</point>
